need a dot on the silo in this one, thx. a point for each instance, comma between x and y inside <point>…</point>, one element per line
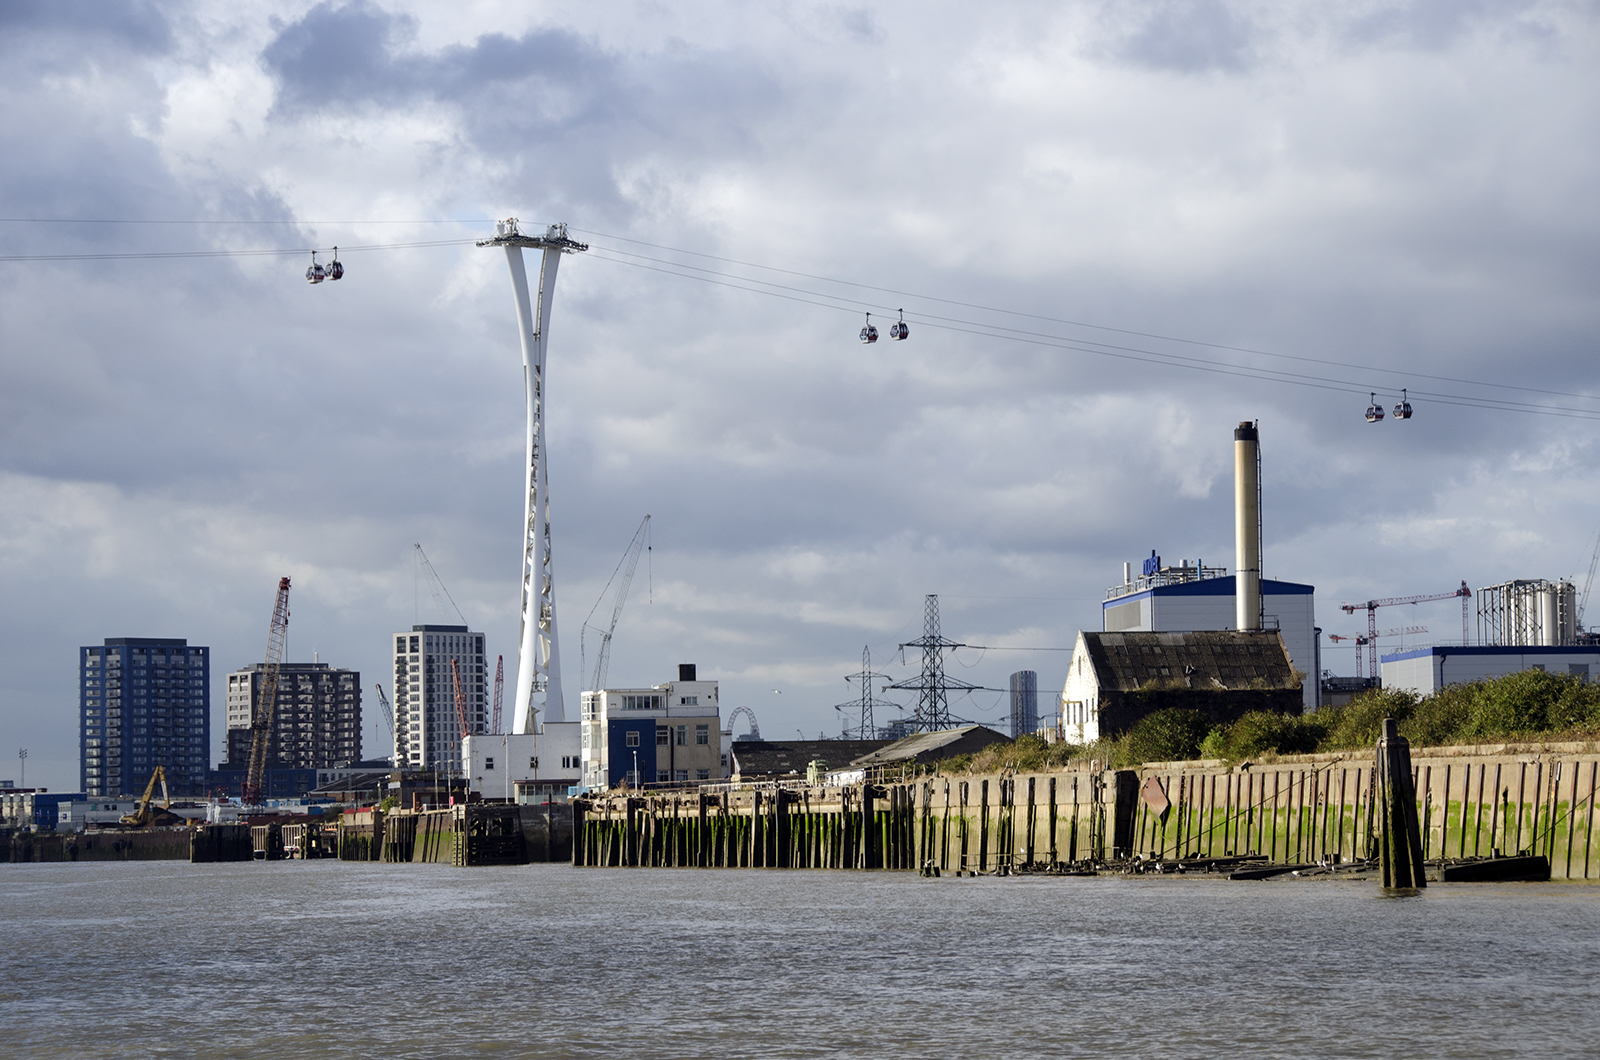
<point>1549,623</point>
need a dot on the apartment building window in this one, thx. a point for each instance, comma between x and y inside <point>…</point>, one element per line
<point>661,736</point>
<point>661,775</point>
<point>631,739</point>
<point>702,735</point>
<point>488,763</point>
<point>683,774</point>
<point>688,701</point>
<point>683,736</point>
<point>702,774</point>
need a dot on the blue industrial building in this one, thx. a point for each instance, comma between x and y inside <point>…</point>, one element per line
<point>143,702</point>
<point>1427,670</point>
<point>1194,598</point>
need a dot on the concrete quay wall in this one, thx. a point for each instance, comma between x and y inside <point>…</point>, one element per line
<point>1471,803</point>
<point>1538,801</point>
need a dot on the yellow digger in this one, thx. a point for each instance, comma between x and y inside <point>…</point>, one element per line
<point>145,815</point>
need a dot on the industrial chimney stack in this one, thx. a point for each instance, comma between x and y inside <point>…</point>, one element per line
<point>1247,525</point>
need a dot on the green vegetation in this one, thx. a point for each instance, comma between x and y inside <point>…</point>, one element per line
<point>1532,705</point>
<point>389,803</point>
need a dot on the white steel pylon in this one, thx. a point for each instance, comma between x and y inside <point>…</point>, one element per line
<point>539,656</point>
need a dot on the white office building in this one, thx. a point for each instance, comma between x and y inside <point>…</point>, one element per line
<point>528,768</point>
<point>668,733</point>
<point>427,734</point>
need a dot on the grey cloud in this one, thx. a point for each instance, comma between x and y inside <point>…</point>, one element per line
<point>1430,24</point>
<point>83,26</point>
<point>1189,36</point>
<point>547,95</point>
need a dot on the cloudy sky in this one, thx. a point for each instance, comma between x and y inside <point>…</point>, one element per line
<point>1117,229</point>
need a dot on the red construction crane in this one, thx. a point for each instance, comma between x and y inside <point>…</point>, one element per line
<point>461,703</point>
<point>1371,608</point>
<point>1362,641</point>
<point>499,692</point>
<point>267,705</point>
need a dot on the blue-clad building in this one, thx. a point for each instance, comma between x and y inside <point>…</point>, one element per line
<point>1427,670</point>
<point>143,702</point>
<point>1193,597</point>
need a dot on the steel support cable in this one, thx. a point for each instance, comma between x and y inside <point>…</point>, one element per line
<point>1100,327</point>
<point>1171,360</point>
<point>1111,349</point>
<point>927,320</point>
<point>1248,807</point>
<point>752,265</point>
<point>282,252</point>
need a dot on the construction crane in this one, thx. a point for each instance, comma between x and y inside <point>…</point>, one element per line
<point>267,705</point>
<point>630,560</point>
<point>1362,642</point>
<point>499,693</point>
<point>388,716</point>
<point>436,585</point>
<point>461,703</point>
<point>1371,608</point>
<point>146,816</point>
<point>1588,583</point>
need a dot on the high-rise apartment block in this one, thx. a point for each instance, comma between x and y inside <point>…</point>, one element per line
<point>142,703</point>
<point>317,723</point>
<point>1024,703</point>
<point>426,732</point>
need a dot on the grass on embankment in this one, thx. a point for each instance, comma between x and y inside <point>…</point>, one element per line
<point>1532,705</point>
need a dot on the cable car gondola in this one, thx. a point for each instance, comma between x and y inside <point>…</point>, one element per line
<point>335,267</point>
<point>315,274</point>
<point>869,333</point>
<point>901,330</point>
<point>1374,410</point>
<point>1402,411</point>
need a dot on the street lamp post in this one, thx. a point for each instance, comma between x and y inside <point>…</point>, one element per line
<point>22,758</point>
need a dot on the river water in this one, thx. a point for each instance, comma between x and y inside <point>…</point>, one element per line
<point>331,959</point>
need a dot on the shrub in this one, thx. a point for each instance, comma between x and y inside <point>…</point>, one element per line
<point>1359,723</point>
<point>1441,718</point>
<point>1165,736</point>
<point>1262,732</point>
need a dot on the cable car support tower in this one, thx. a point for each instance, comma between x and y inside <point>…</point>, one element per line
<point>538,657</point>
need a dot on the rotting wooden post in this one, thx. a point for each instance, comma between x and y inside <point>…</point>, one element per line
<point>983,825</point>
<point>1054,853</point>
<point>867,829</point>
<point>1400,845</point>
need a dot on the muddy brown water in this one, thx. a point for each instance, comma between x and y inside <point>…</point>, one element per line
<point>328,959</point>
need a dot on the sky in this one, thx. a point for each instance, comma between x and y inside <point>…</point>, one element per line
<point>1116,229</point>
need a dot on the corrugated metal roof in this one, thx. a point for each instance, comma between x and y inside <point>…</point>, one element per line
<point>919,746</point>
<point>1223,659</point>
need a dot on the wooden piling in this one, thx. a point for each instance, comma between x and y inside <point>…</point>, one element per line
<point>1400,843</point>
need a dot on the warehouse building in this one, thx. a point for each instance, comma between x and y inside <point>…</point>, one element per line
<point>1427,670</point>
<point>1117,678</point>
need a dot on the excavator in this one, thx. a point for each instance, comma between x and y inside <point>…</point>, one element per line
<point>145,815</point>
